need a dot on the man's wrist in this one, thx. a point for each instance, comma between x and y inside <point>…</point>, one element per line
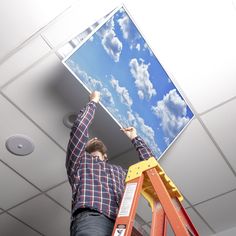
<point>94,100</point>
<point>92,103</point>
<point>134,138</point>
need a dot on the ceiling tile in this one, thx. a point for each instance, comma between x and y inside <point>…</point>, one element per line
<point>144,210</point>
<point>169,230</point>
<point>14,189</point>
<point>147,229</point>
<point>23,59</point>
<point>40,97</point>
<point>70,24</point>
<point>221,124</point>
<point>62,194</point>
<point>24,19</point>
<point>10,226</point>
<point>199,224</point>
<point>196,167</point>
<point>219,212</point>
<point>197,52</point>
<point>51,93</point>
<point>126,159</point>
<point>44,215</point>
<point>228,232</point>
<point>45,167</point>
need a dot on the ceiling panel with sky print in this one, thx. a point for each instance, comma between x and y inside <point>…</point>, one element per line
<point>135,89</point>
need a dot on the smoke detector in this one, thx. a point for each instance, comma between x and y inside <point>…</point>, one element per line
<point>20,145</point>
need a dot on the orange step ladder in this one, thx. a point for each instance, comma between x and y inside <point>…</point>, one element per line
<point>147,177</point>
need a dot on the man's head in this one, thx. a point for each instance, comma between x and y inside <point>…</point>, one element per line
<point>96,148</point>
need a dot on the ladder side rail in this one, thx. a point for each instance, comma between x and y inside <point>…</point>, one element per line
<point>127,220</point>
<point>167,204</point>
<point>184,215</point>
<point>159,225</point>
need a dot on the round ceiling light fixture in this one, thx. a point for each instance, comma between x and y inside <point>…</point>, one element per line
<point>20,145</point>
<point>69,119</point>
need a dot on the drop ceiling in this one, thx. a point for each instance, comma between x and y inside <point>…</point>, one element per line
<point>194,41</point>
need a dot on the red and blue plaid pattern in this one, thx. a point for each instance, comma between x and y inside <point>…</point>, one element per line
<point>95,184</point>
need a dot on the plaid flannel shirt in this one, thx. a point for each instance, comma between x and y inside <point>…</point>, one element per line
<point>95,184</point>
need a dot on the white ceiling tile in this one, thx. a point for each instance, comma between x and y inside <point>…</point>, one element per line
<point>196,167</point>
<point>169,230</point>
<point>10,226</point>
<point>40,98</point>
<point>221,124</point>
<point>81,16</point>
<point>228,232</point>
<point>45,167</point>
<point>62,194</point>
<point>147,229</point>
<point>220,213</point>
<point>144,210</point>
<point>126,159</point>
<point>51,93</point>
<point>23,59</point>
<point>44,215</point>
<point>194,45</point>
<point>15,189</point>
<point>21,19</point>
<point>199,224</point>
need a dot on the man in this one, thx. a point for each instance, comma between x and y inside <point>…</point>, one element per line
<point>97,186</point>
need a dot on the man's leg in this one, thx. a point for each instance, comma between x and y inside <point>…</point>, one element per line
<point>90,223</point>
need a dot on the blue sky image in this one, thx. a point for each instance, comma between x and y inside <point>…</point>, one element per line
<point>134,87</point>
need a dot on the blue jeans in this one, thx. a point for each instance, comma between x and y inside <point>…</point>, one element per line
<point>91,223</point>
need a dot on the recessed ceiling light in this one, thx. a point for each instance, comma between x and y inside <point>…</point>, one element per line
<point>69,119</point>
<point>19,145</point>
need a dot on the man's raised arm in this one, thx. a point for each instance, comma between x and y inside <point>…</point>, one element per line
<point>79,133</point>
<point>143,150</point>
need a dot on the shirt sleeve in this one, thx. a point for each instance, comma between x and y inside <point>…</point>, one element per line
<point>79,137</point>
<point>143,150</point>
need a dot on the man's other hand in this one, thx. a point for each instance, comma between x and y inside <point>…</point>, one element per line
<point>130,132</point>
<point>95,96</point>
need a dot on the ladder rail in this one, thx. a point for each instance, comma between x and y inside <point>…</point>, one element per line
<point>167,204</point>
<point>147,177</point>
<point>159,223</point>
<point>125,216</point>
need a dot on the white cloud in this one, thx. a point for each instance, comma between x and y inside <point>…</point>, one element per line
<point>172,111</point>
<point>141,76</point>
<point>122,92</point>
<point>124,23</point>
<point>146,47</point>
<point>107,98</point>
<point>145,131</point>
<point>138,46</point>
<point>93,84</point>
<point>127,29</point>
<point>110,42</point>
<point>112,45</point>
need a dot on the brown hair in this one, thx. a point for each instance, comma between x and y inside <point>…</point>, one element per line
<point>96,145</point>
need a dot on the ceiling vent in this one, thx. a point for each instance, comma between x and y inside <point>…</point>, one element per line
<point>69,119</point>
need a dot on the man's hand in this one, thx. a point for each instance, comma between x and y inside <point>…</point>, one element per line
<point>130,132</point>
<point>94,96</point>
